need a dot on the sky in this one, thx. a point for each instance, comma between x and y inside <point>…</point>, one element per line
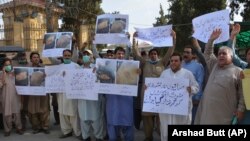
<point>142,13</point>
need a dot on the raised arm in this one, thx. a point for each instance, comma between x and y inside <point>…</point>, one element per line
<point>209,50</point>
<point>231,43</point>
<point>136,52</point>
<point>170,51</point>
<point>95,52</point>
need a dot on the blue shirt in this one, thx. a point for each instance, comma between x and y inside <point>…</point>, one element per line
<point>198,72</point>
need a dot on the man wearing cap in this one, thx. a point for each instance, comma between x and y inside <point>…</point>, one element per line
<point>91,112</point>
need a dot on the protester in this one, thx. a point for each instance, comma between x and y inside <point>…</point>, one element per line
<point>152,67</point>
<point>38,106</point>
<point>11,103</point>
<point>177,72</point>
<point>198,71</point>
<point>222,98</point>
<point>67,108</point>
<point>91,112</point>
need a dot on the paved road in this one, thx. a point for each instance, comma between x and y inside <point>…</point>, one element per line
<point>54,135</point>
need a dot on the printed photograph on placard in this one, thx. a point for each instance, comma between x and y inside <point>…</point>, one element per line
<point>21,76</point>
<point>127,73</point>
<point>64,40</point>
<point>37,77</point>
<point>118,25</point>
<point>106,71</point>
<point>49,41</point>
<point>103,25</point>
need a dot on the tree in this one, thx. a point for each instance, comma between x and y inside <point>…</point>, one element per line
<point>162,20</point>
<point>78,12</point>
<point>235,6</point>
<point>183,11</point>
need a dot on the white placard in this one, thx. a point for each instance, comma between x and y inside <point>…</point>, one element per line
<point>81,84</point>
<point>166,95</point>
<point>54,81</point>
<point>118,77</point>
<point>30,80</point>
<point>157,36</point>
<point>204,25</point>
<point>55,43</point>
<point>111,29</point>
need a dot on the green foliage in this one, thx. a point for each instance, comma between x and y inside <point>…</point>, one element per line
<point>162,20</point>
<point>78,12</point>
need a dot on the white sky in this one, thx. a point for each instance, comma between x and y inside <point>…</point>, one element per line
<point>142,13</point>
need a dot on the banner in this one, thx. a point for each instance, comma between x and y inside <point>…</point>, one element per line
<point>111,29</point>
<point>118,77</point>
<point>166,96</point>
<point>81,84</point>
<point>157,36</point>
<point>204,25</point>
<point>55,43</point>
<point>30,80</point>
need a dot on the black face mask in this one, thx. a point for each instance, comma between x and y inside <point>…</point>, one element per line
<point>22,62</point>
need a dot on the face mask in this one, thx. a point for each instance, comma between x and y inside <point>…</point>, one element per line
<point>8,68</point>
<point>85,59</point>
<point>66,61</point>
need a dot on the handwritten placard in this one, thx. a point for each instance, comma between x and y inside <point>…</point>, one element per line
<point>158,36</point>
<point>54,81</point>
<point>204,25</point>
<point>166,96</point>
<point>111,29</point>
<point>118,77</point>
<point>81,84</point>
<point>30,80</point>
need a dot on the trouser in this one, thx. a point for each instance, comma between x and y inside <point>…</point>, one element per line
<point>40,120</point>
<point>55,107</point>
<point>24,110</point>
<point>148,126</point>
<point>7,122</point>
<point>114,132</point>
<point>137,118</point>
<point>69,123</point>
<point>99,128</point>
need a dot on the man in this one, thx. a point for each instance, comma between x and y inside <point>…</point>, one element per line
<point>198,71</point>
<point>38,106</point>
<point>152,67</point>
<point>67,108</point>
<point>222,98</point>
<point>119,111</point>
<point>91,112</point>
<point>176,72</point>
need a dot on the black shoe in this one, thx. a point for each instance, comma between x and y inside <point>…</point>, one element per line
<point>66,135</point>
<point>36,131</point>
<point>6,134</point>
<point>88,139</point>
<point>19,131</point>
<point>79,137</point>
<point>46,131</point>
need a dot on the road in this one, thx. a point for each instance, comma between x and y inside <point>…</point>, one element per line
<point>55,132</point>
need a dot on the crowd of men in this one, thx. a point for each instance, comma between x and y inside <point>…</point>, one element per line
<point>215,93</point>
